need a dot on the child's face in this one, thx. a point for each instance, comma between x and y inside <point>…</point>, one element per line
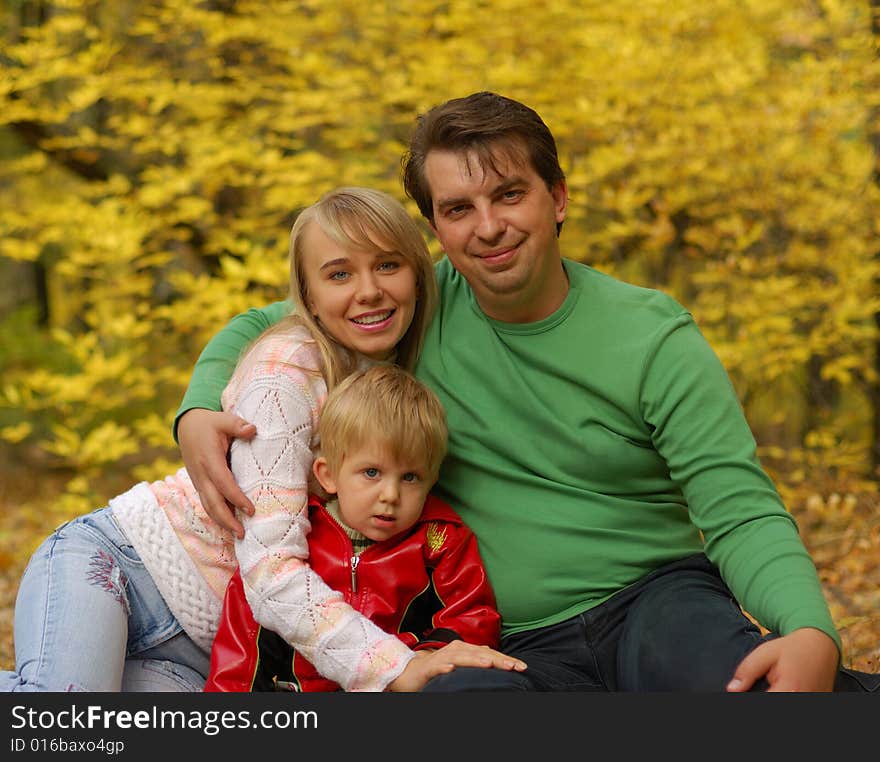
<point>379,496</point>
<point>364,299</point>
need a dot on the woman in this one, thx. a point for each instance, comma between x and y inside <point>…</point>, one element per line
<point>128,597</point>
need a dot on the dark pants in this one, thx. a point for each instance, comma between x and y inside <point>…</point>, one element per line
<point>677,629</point>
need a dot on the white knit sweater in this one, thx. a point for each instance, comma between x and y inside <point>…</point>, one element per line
<point>277,388</point>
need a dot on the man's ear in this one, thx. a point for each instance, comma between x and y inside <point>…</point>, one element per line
<point>322,472</point>
<point>560,199</point>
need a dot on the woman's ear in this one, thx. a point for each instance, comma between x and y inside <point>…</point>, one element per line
<point>323,474</point>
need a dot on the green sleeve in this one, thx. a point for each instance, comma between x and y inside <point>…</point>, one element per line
<point>700,429</point>
<point>217,361</point>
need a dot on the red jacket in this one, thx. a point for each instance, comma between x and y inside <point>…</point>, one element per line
<point>427,585</point>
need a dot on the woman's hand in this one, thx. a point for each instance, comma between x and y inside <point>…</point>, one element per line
<point>204,437</point>
<point>428,664</point>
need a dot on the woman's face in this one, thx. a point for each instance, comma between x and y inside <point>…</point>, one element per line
<point>364,298</point>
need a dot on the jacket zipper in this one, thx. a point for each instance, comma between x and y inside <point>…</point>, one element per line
<point>355,560</point>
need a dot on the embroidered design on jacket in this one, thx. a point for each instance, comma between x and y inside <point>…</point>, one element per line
<point>435,536</point>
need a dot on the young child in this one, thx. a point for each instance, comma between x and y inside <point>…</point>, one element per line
<point>398,555</point>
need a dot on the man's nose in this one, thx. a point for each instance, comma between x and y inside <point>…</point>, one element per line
<point>490,225</point>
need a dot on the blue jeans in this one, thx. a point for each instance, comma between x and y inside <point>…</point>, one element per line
<point>677,629</point>
<point>88,617</point>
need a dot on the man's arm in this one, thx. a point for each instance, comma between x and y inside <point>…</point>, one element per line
<point>217,361</point>
<point>701,431</point>
<point>203,433</point>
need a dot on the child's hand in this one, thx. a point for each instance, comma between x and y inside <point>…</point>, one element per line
<point>428,664</point>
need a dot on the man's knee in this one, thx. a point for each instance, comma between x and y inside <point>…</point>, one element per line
<point>685,633</point>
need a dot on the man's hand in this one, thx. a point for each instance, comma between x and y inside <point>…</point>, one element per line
<point>802,661</point>
<point>428,664</point>
<point>204,437</point>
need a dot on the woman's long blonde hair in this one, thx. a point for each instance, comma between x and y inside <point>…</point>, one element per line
<point>367,219</point>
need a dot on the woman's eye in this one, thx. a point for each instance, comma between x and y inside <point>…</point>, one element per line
<point>339,275</point>
<point>388,266</point>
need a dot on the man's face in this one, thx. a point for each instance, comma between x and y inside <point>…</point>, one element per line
<point>498,229</point>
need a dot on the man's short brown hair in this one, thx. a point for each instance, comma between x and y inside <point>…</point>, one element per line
<point>485,123</point>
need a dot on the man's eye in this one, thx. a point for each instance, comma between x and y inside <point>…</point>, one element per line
<point>512,195</point>
<point>371,473</point>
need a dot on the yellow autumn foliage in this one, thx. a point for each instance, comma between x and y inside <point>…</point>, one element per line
<point>156,152</point>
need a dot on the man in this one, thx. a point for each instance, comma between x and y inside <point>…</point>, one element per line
<point>597,448</point>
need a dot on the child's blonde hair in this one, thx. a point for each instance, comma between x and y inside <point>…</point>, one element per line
<point>388,406</point>
<point>372,220</point>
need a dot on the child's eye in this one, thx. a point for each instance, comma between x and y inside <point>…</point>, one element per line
<point>389,266</point>
<point>410,477</point>
<point>371,473</point>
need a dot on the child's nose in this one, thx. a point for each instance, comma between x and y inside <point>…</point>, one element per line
<point>390,491</point>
